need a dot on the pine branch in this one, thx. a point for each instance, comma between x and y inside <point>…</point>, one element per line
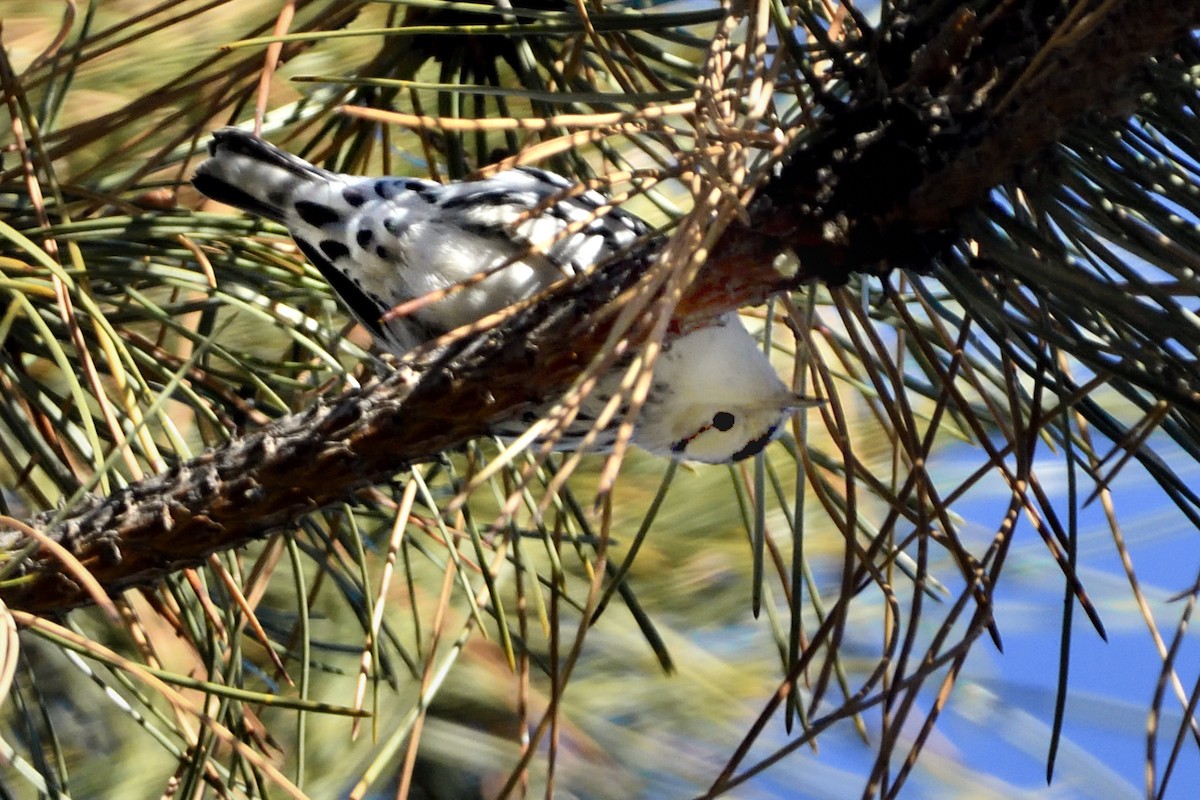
<point>1095,68</point>
<point>840,214</point>
<point>952,106</point>
<point>265,480</point>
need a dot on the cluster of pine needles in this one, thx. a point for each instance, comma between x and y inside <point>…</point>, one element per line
<point>481,612</point>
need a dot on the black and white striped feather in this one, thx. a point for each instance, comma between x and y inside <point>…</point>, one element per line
<point>381,242</point>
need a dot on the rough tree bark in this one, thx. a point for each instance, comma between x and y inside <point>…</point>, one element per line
<point>944,110</point>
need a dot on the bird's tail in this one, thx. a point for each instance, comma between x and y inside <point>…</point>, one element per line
<point>245,172</point>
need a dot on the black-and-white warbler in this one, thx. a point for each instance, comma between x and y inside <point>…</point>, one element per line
<point>381,242</point>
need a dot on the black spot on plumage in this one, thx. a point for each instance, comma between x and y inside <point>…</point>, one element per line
<point>334,249</point>
<point>522,199</point>
<point>385,189</point>
<point>756,446</point>
<point>353,196</point>
<point>414,184</point>
<point>485,231</point>
<point>223,192</point>
<point>364,237</point>
<point>383,253</point>
<point>367,310</point>
<point>428,193</point>
<point>561,213</point>
<point>545,176</point>
<point>723,420</point>
<point>316,214</point>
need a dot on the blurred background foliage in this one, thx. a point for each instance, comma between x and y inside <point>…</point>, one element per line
<point>829,592</point>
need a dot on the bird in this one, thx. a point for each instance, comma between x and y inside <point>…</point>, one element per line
<point>383,241</point>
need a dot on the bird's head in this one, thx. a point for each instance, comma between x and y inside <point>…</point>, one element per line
<point>719,433</point>
<point>716,399</point>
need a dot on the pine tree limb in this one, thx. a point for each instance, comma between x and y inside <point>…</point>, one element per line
<point>267,479</point>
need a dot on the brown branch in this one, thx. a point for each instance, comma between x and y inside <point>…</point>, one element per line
<point>266,480</point>
<point>956,105</point>
<point>1094,72</point>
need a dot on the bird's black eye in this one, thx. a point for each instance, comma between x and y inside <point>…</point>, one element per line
<point>723,420</point>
